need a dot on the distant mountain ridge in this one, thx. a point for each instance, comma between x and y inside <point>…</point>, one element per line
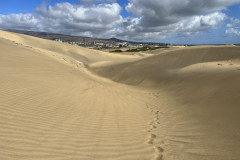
<point>79,39</point>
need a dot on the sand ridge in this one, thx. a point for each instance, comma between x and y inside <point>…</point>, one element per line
<point>181,104</point>
<point>81,54</point>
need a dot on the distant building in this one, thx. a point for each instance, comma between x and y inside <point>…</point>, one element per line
<point>122,44</point>
<point>58,40</point>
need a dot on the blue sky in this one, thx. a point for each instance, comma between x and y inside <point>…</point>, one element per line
<point>170,21</point>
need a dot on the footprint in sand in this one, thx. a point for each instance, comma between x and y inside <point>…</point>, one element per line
<point>157,157</point>
<point>158,153</point>
<point>150,123</point>
<point>158,149</point>
<point>150,141</point>
<point>151,138</point>
<point>153,126</point>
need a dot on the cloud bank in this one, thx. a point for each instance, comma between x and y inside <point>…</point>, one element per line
<point>89,20</point>
<point>150,19</point>
<point>165,17</point>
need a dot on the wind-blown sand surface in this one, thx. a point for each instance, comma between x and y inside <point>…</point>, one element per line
<point>63,102</point>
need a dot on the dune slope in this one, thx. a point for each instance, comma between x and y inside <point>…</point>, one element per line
<point>197,91</point>
<point>160,68</point>
<point>70,54</point>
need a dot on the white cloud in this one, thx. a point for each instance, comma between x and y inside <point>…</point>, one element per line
<point>165,12</point>
<point>91,20</point>
<point>132,29</point>
<point>232,32</point>
<point>77,19</point>
<point>97,1</point>
<point>158,19</point>
<point>233,27</point>
<point>101,18</point>
<point>18,21</point>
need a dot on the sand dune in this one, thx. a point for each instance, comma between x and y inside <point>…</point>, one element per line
<point>67,51</point>
<point>182,104</point>
<point>202,87</point>
<point>162,67</point>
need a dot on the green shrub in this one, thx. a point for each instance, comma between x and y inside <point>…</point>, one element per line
<point>117,50</point>
<point>145,48</point>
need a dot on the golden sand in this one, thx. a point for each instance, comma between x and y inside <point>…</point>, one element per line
<point>63,102</point>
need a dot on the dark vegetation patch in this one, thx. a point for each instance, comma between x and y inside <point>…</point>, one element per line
<point>145,48</point>
<point>117,50</point>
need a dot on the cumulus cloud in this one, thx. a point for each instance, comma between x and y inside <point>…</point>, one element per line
<point>165,12</point>
<point>131,28</point>
<point>233,27</point>
<point>18,21</point>
<point>200,23</point>
<point>156,19</point>
<point>233,32</point>
<point>67,18</point>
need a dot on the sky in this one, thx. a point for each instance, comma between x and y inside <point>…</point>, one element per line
<point>164,21</point>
